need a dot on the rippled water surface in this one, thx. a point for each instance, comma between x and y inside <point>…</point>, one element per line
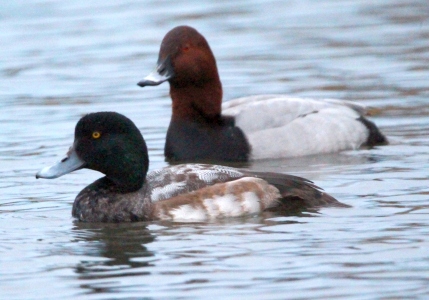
<point>62,59</point>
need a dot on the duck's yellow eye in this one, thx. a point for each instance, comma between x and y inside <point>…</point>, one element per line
<point>96,134</point>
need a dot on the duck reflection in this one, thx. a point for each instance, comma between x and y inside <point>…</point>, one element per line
<point>113,250</point>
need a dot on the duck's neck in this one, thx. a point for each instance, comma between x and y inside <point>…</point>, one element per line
<point>197,103</point>
<point>127,183</point>
<point>127,175</point>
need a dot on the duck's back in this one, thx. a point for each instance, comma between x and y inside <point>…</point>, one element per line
<point>206,192</point>
<point>280,126</point>
<point>174,180</point>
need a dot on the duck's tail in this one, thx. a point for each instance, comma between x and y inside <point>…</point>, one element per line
<point>375,137</point>
<point>298,193</point>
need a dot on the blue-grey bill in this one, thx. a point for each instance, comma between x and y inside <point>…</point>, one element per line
<point>153,78</point>
<point>67,165</point>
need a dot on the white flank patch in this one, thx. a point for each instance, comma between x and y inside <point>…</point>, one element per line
<point>211,207</point>
<point>251,203</point>
<point>228,205</point>
<point>188,213</point>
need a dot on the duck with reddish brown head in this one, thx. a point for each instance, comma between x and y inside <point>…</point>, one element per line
<point>254,127</point>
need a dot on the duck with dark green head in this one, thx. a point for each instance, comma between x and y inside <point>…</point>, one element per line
<point>110,143</point>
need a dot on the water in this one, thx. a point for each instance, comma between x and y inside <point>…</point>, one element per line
<point>62,59</point>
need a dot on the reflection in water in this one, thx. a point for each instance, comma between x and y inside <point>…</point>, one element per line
<point>113,246</point>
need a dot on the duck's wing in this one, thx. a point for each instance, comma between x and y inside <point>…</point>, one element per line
<point>281,126</point>
<point>174,180</point>
<point>296,192</point>
<point>288,106</point>
<point>251,194</point>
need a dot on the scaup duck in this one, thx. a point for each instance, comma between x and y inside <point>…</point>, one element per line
<point>249,128</point>
<point>110,143</point>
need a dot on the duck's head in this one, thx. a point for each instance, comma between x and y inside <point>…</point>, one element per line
<point>185,58</point>
<point>110,143</point>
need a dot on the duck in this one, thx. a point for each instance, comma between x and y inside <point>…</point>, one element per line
<point>111,143</point>
<point>248,128</point>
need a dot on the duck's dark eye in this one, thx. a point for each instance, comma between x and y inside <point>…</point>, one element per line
<point>96,135</point>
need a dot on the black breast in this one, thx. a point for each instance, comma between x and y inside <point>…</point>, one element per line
<point>214,141</point>
<point>100,202</point>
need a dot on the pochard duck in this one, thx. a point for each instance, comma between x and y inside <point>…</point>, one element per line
<point>249,128</point>
<point>110,143</point>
